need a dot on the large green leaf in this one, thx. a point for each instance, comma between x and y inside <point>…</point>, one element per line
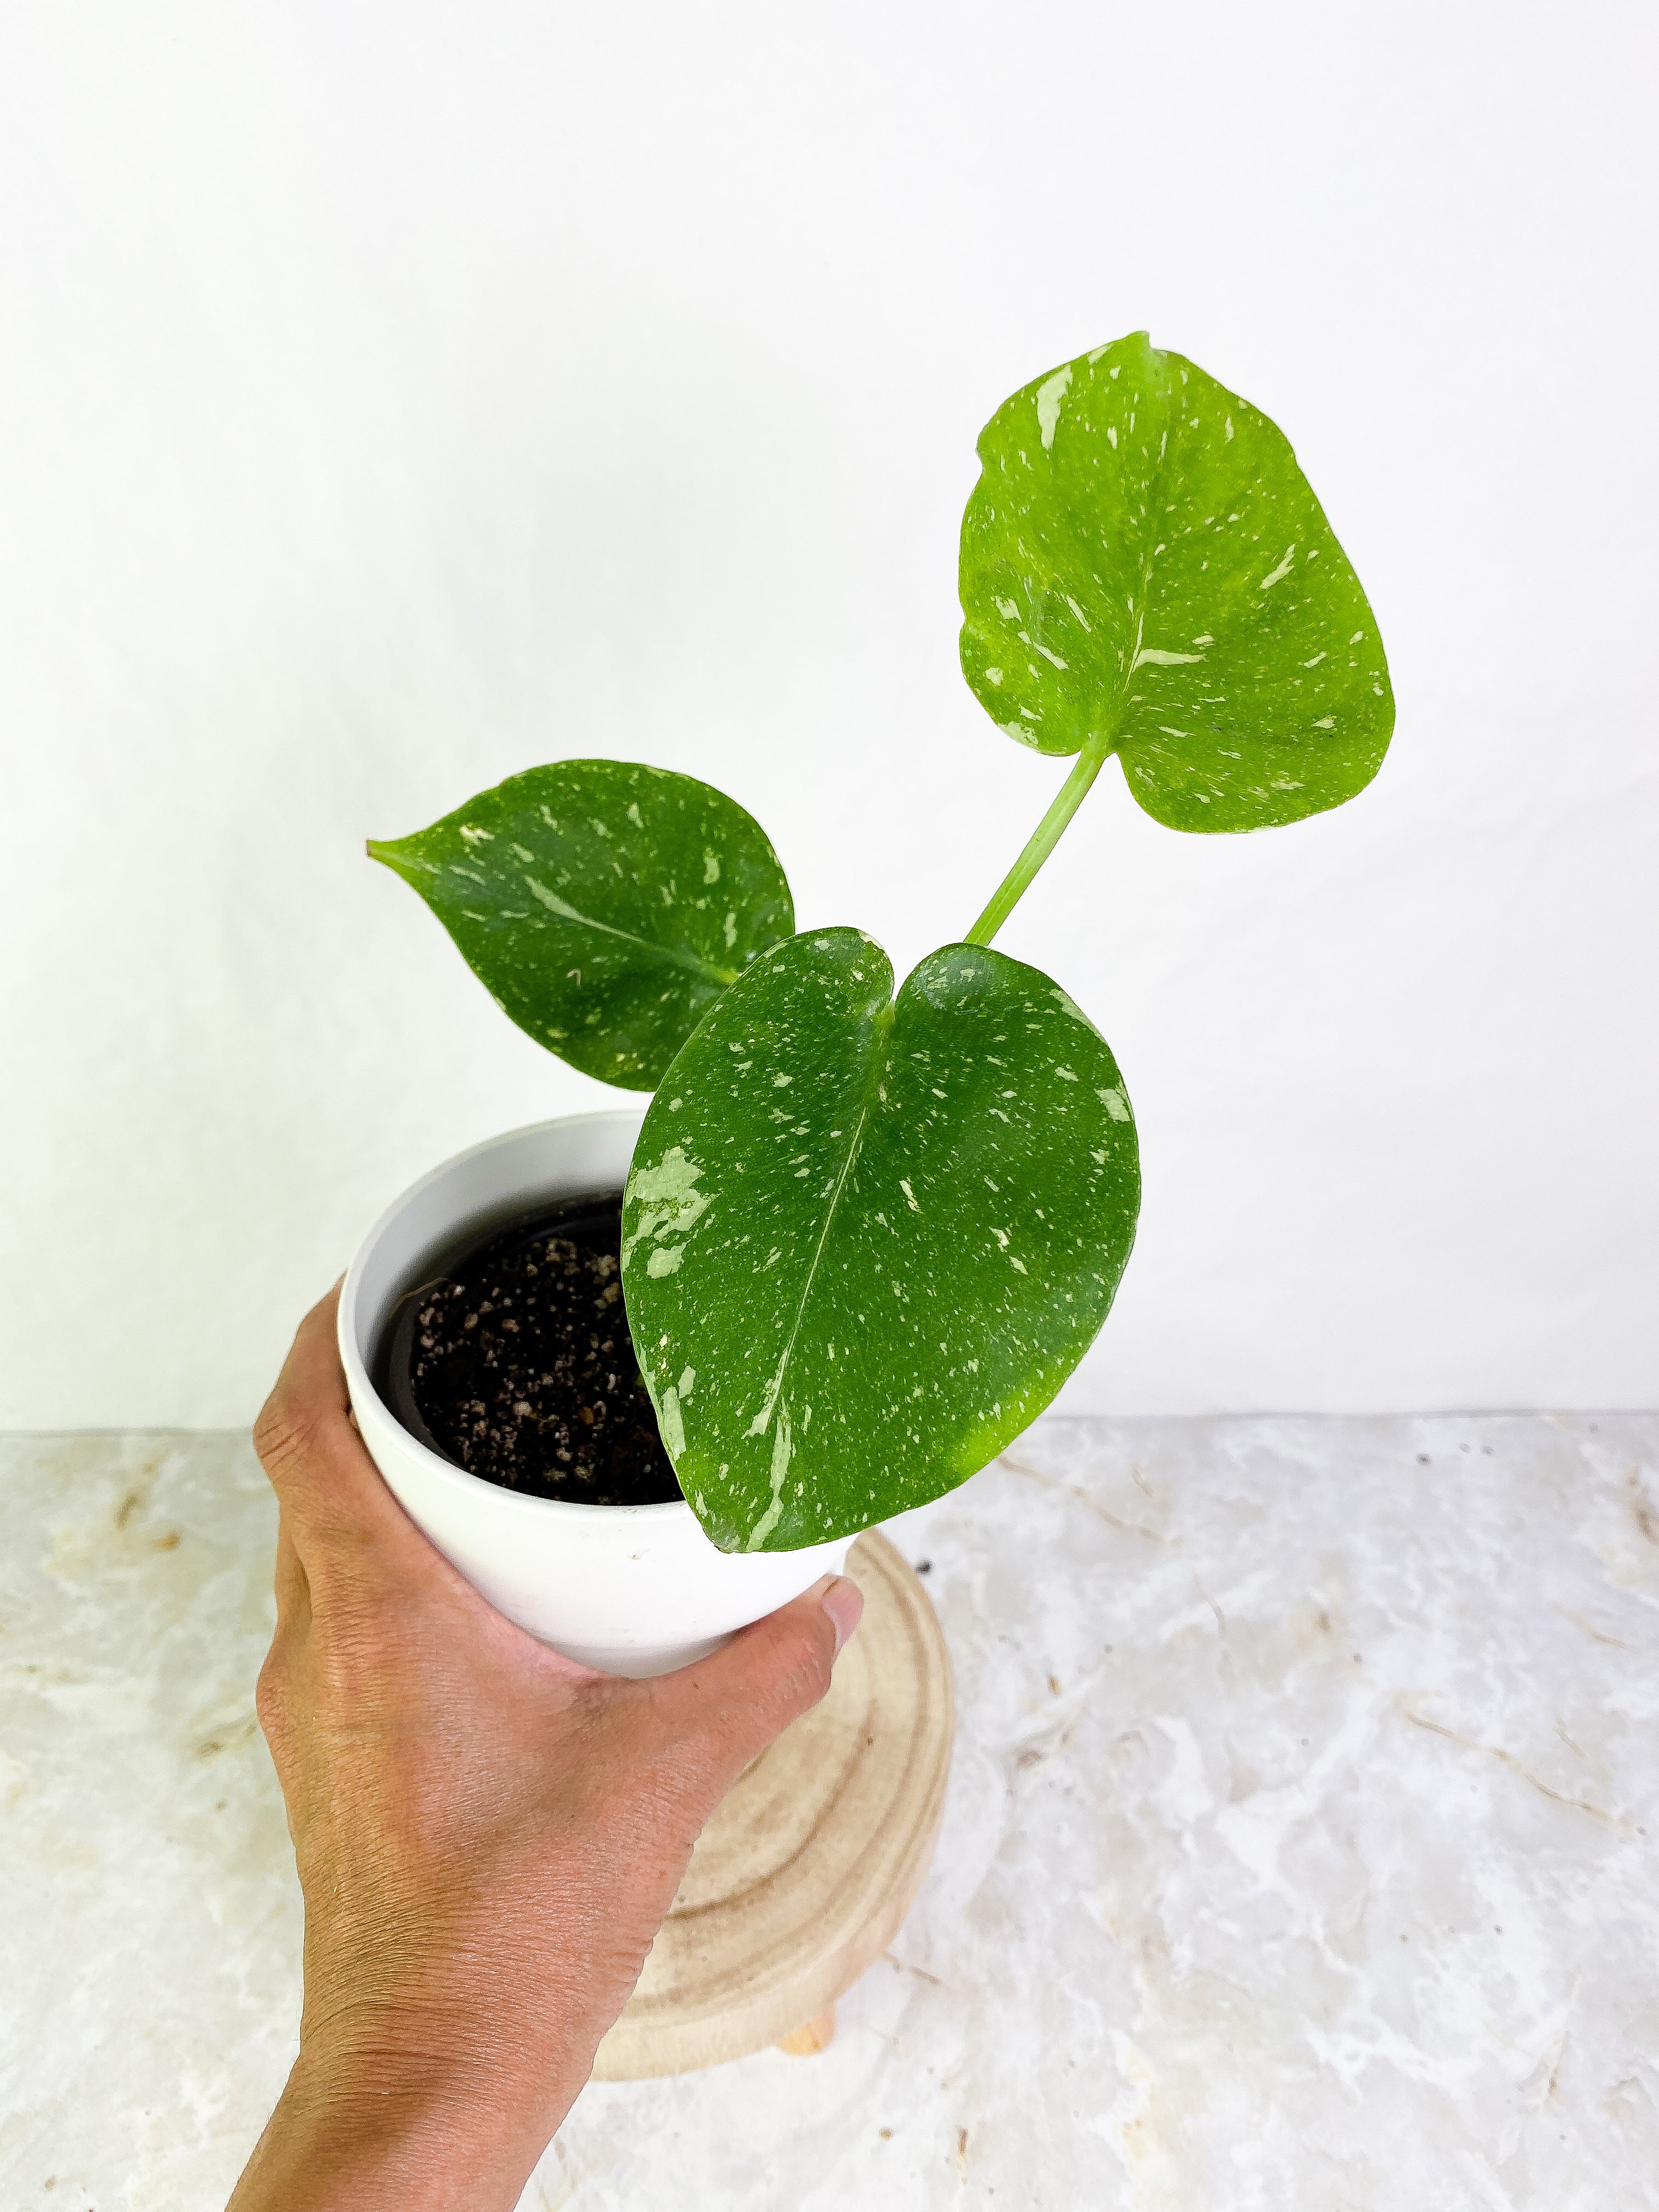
<point>864,1243</point>
<point>1144,567</point>
<point>603,905</point>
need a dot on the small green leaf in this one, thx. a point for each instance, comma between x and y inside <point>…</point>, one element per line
<point>603,905</point>
<point>864,1243</point>
<point>1145,566</point>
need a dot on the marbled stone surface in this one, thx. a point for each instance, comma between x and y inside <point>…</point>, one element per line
<point>1302,1850</point>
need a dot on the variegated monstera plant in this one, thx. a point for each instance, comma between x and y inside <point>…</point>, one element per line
<point>867,1235</point>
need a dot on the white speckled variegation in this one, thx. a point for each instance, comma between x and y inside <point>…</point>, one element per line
<point>583,897</point>
<point>1145,570</point>
<point>880,1232</point>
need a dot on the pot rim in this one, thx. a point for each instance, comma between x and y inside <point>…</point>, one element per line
<point>362,1386</point>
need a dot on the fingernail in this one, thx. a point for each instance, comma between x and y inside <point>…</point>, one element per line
<point>844,1603</point>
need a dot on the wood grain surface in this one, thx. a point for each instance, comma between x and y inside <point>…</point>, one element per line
<point>802,1878</point>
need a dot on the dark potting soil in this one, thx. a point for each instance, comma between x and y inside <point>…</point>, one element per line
<point>516,1363</point>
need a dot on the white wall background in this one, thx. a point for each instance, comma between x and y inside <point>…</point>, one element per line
<point>398,392</point>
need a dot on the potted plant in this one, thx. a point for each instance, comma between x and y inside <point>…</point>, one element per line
<point>857,1239</point>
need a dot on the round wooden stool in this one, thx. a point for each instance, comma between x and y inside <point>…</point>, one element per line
<point>801,1879</point>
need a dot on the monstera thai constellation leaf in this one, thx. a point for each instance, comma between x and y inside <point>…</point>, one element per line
<point>865,1242</point>
<point>604,905</point>
<point>1145,571</point>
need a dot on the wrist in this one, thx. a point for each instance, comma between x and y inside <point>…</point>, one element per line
<point>362,2131</point>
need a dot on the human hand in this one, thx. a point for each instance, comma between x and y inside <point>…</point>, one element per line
<point>487,1835</point>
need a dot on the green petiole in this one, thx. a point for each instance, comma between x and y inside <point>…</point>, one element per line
<point>1042,840</point>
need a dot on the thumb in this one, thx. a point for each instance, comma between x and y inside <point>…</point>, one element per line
<point>743,1697</point>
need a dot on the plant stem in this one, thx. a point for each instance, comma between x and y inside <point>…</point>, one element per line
<point>1042,840</point>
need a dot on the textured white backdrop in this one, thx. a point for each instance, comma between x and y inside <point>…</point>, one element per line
<point>395,395</point>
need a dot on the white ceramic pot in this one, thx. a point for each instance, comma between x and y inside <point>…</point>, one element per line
<point>636,1590</point>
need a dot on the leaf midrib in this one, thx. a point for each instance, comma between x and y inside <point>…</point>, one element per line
<point>878,1060</point>
<point>1110,734</point>
<point>1143,589</point>
<point>678,958</point>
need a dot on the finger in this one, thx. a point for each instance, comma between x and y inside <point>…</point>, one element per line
<point>742,1698</point>
<point>308,1401</point>
<point>293,1590</point>
<point>312,1454</point>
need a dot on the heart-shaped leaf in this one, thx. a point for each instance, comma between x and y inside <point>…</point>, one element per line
<point>865,1243</point>
<point>602,904</point>
<point>1145,568</point>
